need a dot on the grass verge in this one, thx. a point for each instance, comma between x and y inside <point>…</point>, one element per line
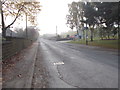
<point>113,44</point>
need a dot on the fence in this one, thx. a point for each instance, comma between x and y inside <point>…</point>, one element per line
<point>12,45</point>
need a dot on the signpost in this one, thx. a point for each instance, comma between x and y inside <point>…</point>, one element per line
<point>86,34</point>
<point>86,28</point>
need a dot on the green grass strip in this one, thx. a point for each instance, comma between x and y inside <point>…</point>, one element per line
<point>113,44</point>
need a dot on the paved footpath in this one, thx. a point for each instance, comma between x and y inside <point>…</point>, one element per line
<point>19,72</point>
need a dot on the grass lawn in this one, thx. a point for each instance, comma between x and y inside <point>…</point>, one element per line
<point>102,43</point>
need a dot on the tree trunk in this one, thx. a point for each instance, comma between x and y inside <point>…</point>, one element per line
<point>3,24</point>
<point>118,34</point>
<point>91,38</point>
<point>108,36</point>
<point>83,35</point>
<point>119,22</point>
<point>101,38</point>
<point>91,35</point>
<point>77,32</point>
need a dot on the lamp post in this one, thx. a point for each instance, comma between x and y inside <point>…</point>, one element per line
<point>56,30</point>
<point>26,27</point>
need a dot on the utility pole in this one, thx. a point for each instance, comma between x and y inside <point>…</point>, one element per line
<point>56,30</point>
<point>26,27</point>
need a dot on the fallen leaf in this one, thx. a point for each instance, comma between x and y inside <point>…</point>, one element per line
<point>19,75</point>
<point>44,87</point>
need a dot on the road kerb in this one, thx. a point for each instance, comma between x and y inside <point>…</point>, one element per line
<point>31,70</point>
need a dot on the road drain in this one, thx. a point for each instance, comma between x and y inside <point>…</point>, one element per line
<point>58,63</point>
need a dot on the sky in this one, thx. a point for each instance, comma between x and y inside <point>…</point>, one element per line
<point>53,14</point>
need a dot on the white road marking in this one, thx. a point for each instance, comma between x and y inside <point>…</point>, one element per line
<point>58,63</point>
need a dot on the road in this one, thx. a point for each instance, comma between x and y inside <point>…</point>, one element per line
<point>79,66</point>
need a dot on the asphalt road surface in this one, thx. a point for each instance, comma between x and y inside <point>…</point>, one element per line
<point>79,66</point>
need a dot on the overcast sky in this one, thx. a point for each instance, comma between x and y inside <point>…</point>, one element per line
<point>53,13</point>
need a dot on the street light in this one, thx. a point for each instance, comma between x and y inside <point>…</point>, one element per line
<point>26,27</point>
<point>56,30</point>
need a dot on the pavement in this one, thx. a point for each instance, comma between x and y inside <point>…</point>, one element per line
<point>54,64</point>
<point>17,72</point>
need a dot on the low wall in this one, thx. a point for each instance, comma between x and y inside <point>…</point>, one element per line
<point>12,45</point>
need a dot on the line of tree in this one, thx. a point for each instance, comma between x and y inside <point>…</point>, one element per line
<point>17,9</point>
<point>102,15</point>
<point>33,32</point>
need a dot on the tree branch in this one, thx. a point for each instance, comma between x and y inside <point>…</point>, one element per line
<point>15,18</point>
